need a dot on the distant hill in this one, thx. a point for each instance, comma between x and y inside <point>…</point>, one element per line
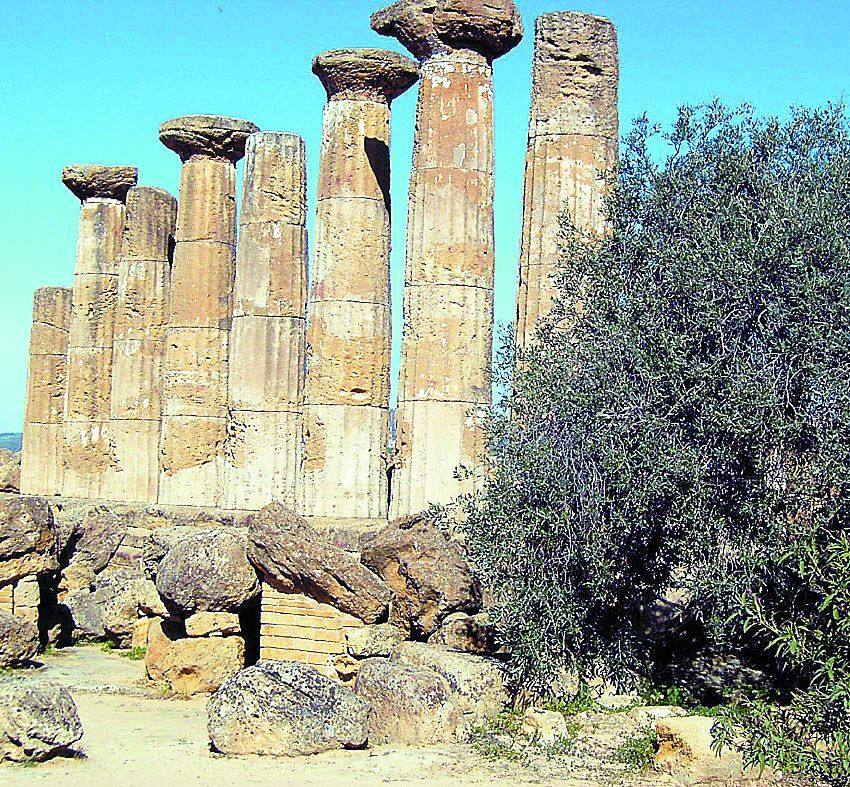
<point>11,441</point>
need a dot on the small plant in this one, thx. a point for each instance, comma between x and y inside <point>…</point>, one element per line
<point>498,739</point>
<point>49,650</point>
<point>637,752</point>
<point>106,646</point>
<point>580,702</point>
<point>134,654</point>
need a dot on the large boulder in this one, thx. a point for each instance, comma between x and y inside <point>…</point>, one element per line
<point>213,624</point>
<point>18,640</point>
<point>157,544</point>
<point>467,634</point>
<point>365,642</point>
<point>191,665</point>
<point>37,720</point>
<point>294,556</point>
<point>286,708</point>
<point>427,572</point>
<point>27,538</point>
<point>410,705</point>
<point>10,474</point>
<point>93,535</point>
<point>477,684</point>
<point>208,571</point>
<point>120,612</point>
<point>685,751</point>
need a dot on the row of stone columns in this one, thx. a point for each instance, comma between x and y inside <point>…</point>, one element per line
<point>192,376</point>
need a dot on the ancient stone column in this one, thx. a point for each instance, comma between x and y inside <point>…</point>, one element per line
<point>448,290</point>
<point>348,379</point>
<point>42,453</point>
<point>269,326</point>
<point>88,452</point>
<point>572,147</point>
<point>139,345</point>
<point>200,306</point>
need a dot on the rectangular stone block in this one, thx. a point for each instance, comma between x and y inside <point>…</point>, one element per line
<point>42,459</point>
<point>350,166</point>
<point>192,460</point>
<point>271,277</point>
<point>99,239</point>
<point>93,310</point>
<point>46,381</point>
<point>149,226</point>
<point>89,383</point>
<point>345,461</point>
<point>52,306</point>
<point>267,363</point>
<point>455,113</point>
<point>6,604</point>
<point>352,242</point>
<point>276,178</point>
<point>134,478</point>
<point>202,280</point>
<point>48,339</point>
<point>195,372</point>
<point>434,440</point>
<point>207,209</point>
<point>142,299</point>
<point>263,460</point>
<point>349,354</point>
<point>447,352</point>
<point>87,457</point>
<point>137,379</point>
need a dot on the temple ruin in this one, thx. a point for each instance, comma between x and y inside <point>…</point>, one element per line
<point>195,365</point>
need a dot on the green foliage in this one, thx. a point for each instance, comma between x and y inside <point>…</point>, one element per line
<point>134,654</point>
<point>638,752</point>
<point>811,734</point>
<point>684,419</point>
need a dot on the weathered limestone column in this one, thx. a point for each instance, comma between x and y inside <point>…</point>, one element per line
<point>88,453</point>
<point>572,145</point>
<point>448,291</point>
<point>200,306</point>
<point>347,407</point>
<point>268,337</point>
<point>42,453</point>
<point>139,345</point>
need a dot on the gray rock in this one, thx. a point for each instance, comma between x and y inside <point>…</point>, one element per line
<point>285,708</point>
<point>410,705</point>
<point>293,556</point>
<point>27,538</point>
<point>426,571</point>
<point>158,544</point>
<point>93,542</point>
<point>85,607</point>
<point>207,571</point>
<point>138,598</point>
<point>369,641</point>
<point>37,720</point>
<point>477,684</point>
<point>18,640</point>
<point>10,474</point>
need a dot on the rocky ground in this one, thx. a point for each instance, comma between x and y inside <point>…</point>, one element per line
<point>136,735</point>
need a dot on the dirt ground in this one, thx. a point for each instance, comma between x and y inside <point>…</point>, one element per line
<point>136,736</point>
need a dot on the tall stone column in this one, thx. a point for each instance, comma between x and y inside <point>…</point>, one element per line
<point>139,345</point>
<point>268,338</point>
<point>42,453</point>
<point>348,379</point>
<point>200,306</point>
<point>88,452</point>
<point>448,291</point>
<point>572,146</point>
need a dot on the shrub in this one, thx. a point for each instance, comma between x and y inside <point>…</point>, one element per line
<point>684,418</point>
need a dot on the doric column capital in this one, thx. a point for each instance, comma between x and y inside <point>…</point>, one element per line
<point>88,181</point>
<point>373,74</point>
<point>210,136</point>
<point>429,27</point>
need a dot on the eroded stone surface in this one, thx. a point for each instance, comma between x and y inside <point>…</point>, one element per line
<point>206,135</point>
<point>376,74</point>
<point>88,181</point>
<point>27,538</point>
<point>18,640</point>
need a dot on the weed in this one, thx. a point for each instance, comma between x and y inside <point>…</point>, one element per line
<point>134,654</point>
<point>637,752</point>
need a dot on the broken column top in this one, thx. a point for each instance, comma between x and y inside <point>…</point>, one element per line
<point>89,181</point>
<point>213,136</point>
<point>376,74</point>
<point>429,27</point>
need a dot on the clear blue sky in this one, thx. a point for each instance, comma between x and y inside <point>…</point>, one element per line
<point>90,82</point>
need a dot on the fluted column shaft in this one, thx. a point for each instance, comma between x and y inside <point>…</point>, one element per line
<point>347,405</point>
<point>572,148</point>
<point>268,338</point>
<point>42,453</point>
<point>448,293</point>
<point>88,452</point>
<point>200,306</point>
<point>139,344</point>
